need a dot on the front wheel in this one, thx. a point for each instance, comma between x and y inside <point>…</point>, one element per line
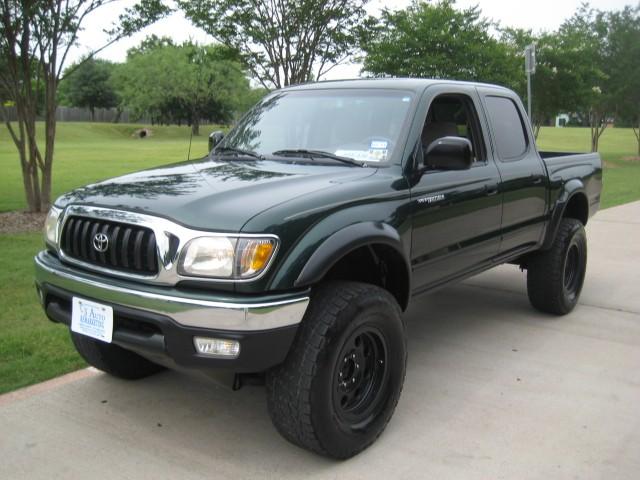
<point>555,276</point>
<point>342,379</point>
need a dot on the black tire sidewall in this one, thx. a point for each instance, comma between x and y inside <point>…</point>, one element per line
<point>577,236</point>
<point>373,312</point>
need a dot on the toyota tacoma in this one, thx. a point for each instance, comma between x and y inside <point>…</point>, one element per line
<point>292,249</point>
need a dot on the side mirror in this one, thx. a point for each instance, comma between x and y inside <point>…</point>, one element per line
<point>215,138</point>
<point>449,153</point>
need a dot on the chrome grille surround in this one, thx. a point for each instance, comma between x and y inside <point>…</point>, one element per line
<point>170,239</point>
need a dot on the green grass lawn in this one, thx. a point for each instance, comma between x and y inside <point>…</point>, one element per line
<point>33,349</point>
<point>88,152</point>
<point>618,146</point>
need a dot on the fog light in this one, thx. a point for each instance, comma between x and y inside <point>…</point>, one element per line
<point>217,347</point>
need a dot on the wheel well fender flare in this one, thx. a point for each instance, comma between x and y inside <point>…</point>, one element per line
<point>570,190</point>
<point>346,240</point>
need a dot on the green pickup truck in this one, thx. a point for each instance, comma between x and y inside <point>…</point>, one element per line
<point>290,252</point>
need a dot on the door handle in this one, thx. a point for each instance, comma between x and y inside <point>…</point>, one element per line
<point>491,190</point>
<point>536,179</point>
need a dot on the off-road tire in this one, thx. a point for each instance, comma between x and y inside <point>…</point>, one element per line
<point>555,276</point>
<point>113,359</point>
<point>304,393</point>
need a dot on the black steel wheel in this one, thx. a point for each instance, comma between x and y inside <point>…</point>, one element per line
<point>573,270</point>
<point>359,377</point>
<point>339,386</point>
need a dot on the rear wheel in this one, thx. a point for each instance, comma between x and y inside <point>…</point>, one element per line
<point>113,359</point>
<point>555,277</point>
<point>341,381</point>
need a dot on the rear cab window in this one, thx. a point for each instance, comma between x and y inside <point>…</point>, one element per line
<point>508,128</point>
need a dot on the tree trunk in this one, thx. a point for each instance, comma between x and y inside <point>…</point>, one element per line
<point>597,124</point>
<point>30,170</point>
<point>118,115</point>
<point>195,127</point>
<point>50,124</point>
<point>93,114</point>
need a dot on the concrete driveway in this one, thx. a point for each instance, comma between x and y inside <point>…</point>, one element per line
<point>493,390</point>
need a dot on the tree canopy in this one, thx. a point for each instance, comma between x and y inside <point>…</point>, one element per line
<point>282,43</point>
<point>437,40</point>
<point>623,65</point>
<point>182,83</point>
<point>89,85</point>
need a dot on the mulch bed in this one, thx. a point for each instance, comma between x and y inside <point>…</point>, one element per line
<point>21,222</point>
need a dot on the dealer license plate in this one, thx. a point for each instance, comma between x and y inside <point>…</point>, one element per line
<point>92,319</point>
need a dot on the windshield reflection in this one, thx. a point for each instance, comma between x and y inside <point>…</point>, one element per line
<point>362,125</point>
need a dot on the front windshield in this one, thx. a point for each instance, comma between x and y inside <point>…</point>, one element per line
<point>362,125</point>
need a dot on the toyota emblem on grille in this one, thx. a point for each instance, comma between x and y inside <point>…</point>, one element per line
<point>100,242</point>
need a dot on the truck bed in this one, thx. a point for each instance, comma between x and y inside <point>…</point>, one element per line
<point>563,167</point>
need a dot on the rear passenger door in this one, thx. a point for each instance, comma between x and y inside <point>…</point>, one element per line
<point>524,178</point>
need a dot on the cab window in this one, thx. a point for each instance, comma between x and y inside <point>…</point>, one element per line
<point>454,116</point>
<point>508,128</point>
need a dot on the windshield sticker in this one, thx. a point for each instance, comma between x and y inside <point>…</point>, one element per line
<point>362,155</point>
<point>376,144</point>
<point>377,154</point>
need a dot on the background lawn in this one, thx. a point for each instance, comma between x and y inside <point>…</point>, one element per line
<point>88,152</point>
<point>33,349</point>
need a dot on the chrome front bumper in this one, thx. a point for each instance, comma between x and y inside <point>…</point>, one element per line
<point>192,309</point>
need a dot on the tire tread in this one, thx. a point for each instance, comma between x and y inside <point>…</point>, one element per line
<point>289,385</point>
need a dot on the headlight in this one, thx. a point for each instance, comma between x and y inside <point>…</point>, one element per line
<point>51,226</point>
<point>226,257</point>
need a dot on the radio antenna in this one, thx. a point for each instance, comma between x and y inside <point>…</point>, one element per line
<point>198,57</point>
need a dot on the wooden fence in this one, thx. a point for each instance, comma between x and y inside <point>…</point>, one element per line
<point>73,114</point>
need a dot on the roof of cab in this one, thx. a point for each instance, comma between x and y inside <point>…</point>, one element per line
<point>413,84</point>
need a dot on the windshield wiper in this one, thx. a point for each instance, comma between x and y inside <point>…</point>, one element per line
<point>318,153</point>
<point>237,151</point>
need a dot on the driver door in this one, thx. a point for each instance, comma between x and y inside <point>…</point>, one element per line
<point>456,213</point>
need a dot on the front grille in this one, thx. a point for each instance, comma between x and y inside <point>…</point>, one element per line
<point>130,248</point>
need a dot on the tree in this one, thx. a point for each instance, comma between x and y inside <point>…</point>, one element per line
<point>439,41</point>
<point>553,78</point>
<point>623,66</point>
<point>89,86</point>
<point>581,39</point>
<point>35,39</point>
<point>176,83</point>
<point>252,97</point>
<point>282,42</point>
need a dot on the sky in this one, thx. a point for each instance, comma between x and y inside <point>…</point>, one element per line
<point>530,14</point>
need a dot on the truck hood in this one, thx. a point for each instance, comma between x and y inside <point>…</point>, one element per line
<point>212,195</point>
